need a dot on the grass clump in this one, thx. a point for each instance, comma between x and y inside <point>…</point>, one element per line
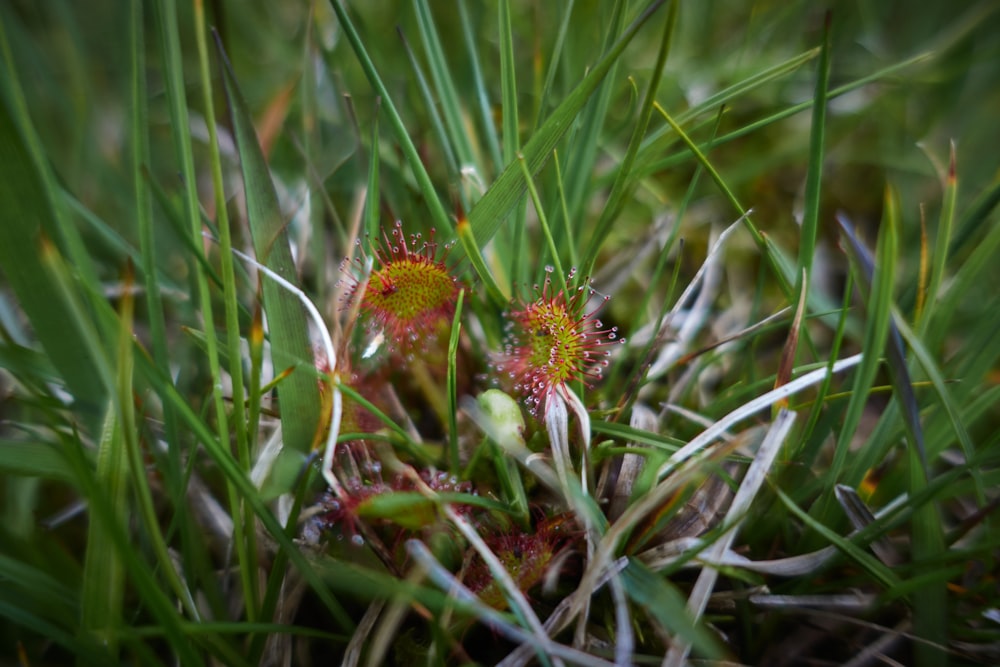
<point>577,333</point>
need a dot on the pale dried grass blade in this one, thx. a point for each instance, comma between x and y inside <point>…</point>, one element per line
<point>751,485</point>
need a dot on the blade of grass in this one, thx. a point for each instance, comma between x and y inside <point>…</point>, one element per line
<point>868,269</point>
<point>624,182</point>
<point>166,20</point>
<point>554,61</point>
<point>56,222</point>
<point>651,164</point>
<point>489,130</point>
<point>85,650</point>
<point>664,603</point>
<point>582,156</point>
<point>511,140</point>
<point>766,249</point>
<point>162,607</point>
<point>930,368</point>
<point>876,334</point>
<point>447,94</point>
<point>814,169</point>
<point>433,113</point>
<point>371,214</point>
<point>882,574</point>
<point>930,600</point>
<point>439,218</point>
<point>75,316</point>
<point>32,459</point>
<point>244,526</point>
<point>27,201</point>
<point>102,597</point>
<point>289,334</point>
<point>144,219</point>
<point>456,328</point>
<point>103,588</point>
<point>544,224</point>
<point>489,213</point>
<point>235,475</point>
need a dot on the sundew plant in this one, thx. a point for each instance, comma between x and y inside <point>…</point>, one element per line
<point>650,332</point>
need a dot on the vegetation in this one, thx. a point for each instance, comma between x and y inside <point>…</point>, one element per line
<point>451,333</point>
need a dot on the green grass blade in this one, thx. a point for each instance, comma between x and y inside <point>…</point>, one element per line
<point>814,175</point>
<point>664,603</point>
<point>930,601</point>
<point>878,571</point>
<point>448,96</point>
<point>508,86</point>
<point>655,144</point>
<point>148,589</point>
<point>33,459</point>
<point>878,309</point>
<point>244,526</point>
<point>582,156</point>
<point>101,599</point>
<point>144,220</point>
<point>490,212</point>
<point>430,103</point>
<point>727,95</point>
<point>452,381</point>
<point>554,61</point>
<point>489,130</point>
<point>372,201</point>
<point>290,345</point>
<point>511,141</point>
<point>439,218</point>
<point>942,242</point>
<point>89,652</point>
<point>238,478</point>
<point>624,183</point>
<point>774,259</point>
<point>27,201</point>
<point>895,354</point>
<point>544,224</point>
<point>57,222</point>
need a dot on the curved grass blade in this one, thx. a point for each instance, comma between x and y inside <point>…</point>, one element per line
<point>33,459</point>
<point>244,533</point>
<point>452,382</point>
<point>873,566</point>
<point>148,589</point>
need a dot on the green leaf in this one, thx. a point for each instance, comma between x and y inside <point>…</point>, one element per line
<point>489,213</point>
<point>814,176</point>
<point>667,606</point>
<point>290,344</point>
<point>33,459</point>
<point>31,221</point>
<point>625,181</point>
